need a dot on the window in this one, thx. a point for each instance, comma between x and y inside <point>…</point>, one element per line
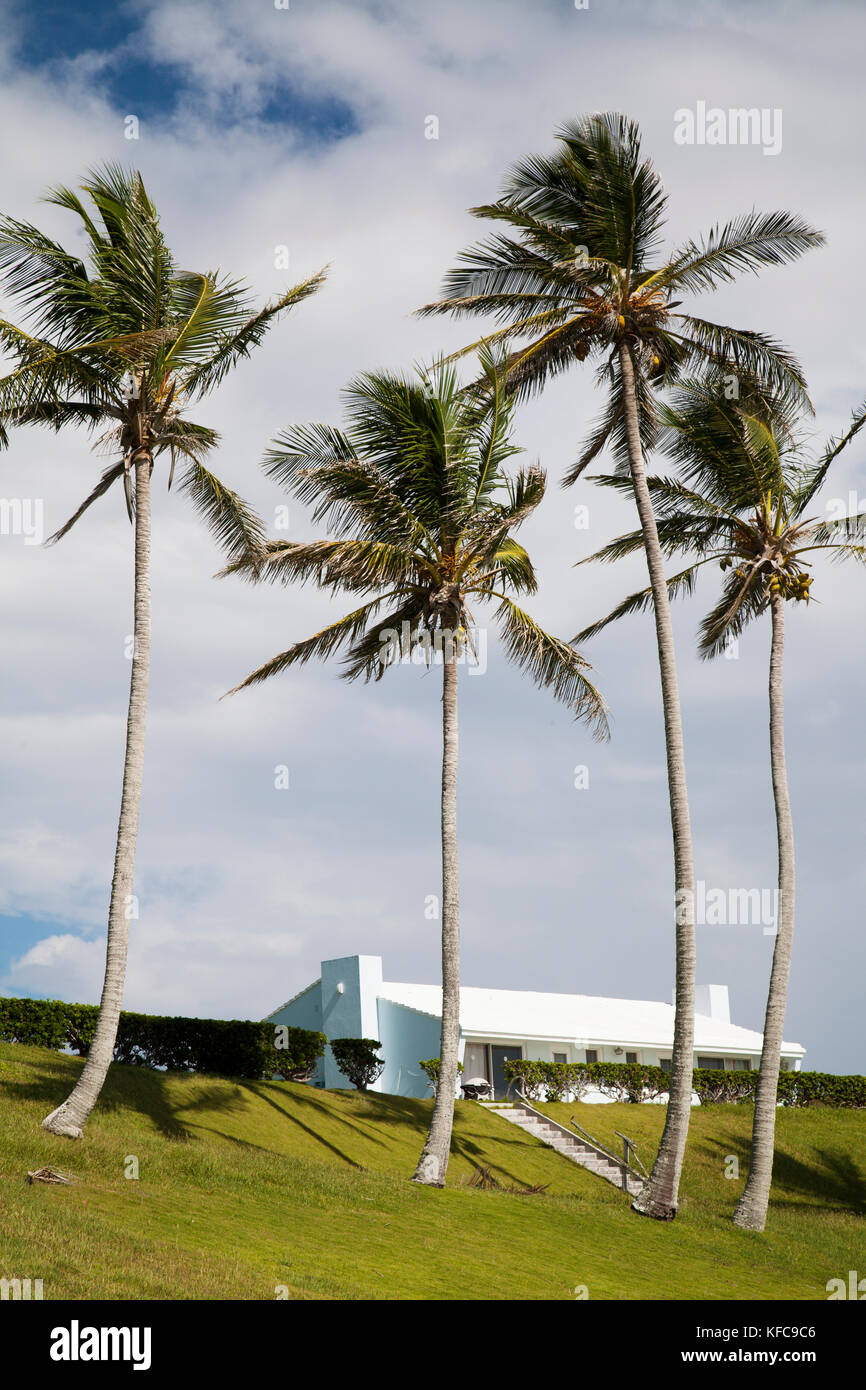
<point>711,1063</point>
<point>630,1057</point>
<point>560,1056</point>
<point>592,1054</point>
<point>475,1062</point>
<point>742,1064</point>
<point>665,1063</point>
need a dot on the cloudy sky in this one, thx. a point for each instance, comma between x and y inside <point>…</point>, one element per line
<point>306,127</point>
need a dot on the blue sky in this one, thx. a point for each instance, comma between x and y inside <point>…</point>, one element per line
<point>129,75</point>
<point>306,128</point>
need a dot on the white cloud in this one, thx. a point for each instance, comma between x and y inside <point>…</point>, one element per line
<point>242,892</point>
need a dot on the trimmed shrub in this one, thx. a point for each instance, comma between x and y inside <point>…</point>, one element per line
<point>236,1047</point>
<point>552,1081</point>
<point>547,1080</point>
<point>723,1087</point>
<point>822,1088</point>
<point>430,1069</point>
<point>628,1081</point>
<point>356,1059</point>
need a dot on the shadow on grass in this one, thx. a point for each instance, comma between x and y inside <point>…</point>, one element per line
<point>834,1182</point>
<point>369,1117</point>
<point>135,1088</point>
<point>287,1115</point>
<point>479,1157</point>
<point>364,1117</point>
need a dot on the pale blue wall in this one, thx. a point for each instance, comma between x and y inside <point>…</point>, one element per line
<point>407,1037</point>
<point>304,1012</point>
<point>359,1012</point>
<point>347,1013</point>
<point>351,1013</point>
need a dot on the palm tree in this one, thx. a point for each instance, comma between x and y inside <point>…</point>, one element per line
<point>423,517</point>
<point>583,277</point>
<point>126,341</point>
<point>742,502</point>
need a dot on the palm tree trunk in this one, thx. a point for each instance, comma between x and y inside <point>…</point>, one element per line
<point>433,1163</point>
<point>659,1197</point>
<point>69,1118</point>
<point>751,1212</point>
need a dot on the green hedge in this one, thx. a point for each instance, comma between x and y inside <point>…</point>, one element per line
<point>356,1059</point>
<point>625,1081</point>
<point>821,1088</point>
<point>222,1047</point>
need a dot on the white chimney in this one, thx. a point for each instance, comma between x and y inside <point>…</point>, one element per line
<point>712,1001</point>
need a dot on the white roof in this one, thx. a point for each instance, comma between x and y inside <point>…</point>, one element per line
<point>582,1019</point>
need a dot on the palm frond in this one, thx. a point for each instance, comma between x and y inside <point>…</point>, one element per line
<point>553,665</point>
<point>745,352</point>
<point>109,476</point>
<point>745,244</point>
<point>236,342</point>
<point>132,267</point>
<point>842,531</point>
<point>350,565</point>
<point>50,283</point>
<point>609,431</point>
<point>504,278</point>
<point>741,601</point>
<point>55,415</point>
<point>321,469</point>
<point>624,200</point>
<point>484,532</point>
<point>677,585</point>
<point>834,447</point>
<point>735,450</point>
<point>230,520</point>
<point>511,567</point>
<point>186,437</point>
<point>491,423</point>
<point>321,644</point>
<point>386,641</point>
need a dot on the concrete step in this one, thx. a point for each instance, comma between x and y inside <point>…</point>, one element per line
<point>571,1147</point>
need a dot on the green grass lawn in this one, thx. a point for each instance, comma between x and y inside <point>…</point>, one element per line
<point>244,1187</point>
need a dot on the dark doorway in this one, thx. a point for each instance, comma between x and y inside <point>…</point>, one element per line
<point>499,1056</point>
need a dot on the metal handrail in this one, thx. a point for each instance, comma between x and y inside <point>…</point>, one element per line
<point>622,1163</point>
<point>629,1145</point>
<point>548,1119</point>
<point>595,1144</point>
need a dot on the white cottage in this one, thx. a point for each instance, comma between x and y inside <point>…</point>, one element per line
<point>352,1000</point>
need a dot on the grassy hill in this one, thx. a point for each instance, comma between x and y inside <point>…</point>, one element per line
<point>247,1186</point>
